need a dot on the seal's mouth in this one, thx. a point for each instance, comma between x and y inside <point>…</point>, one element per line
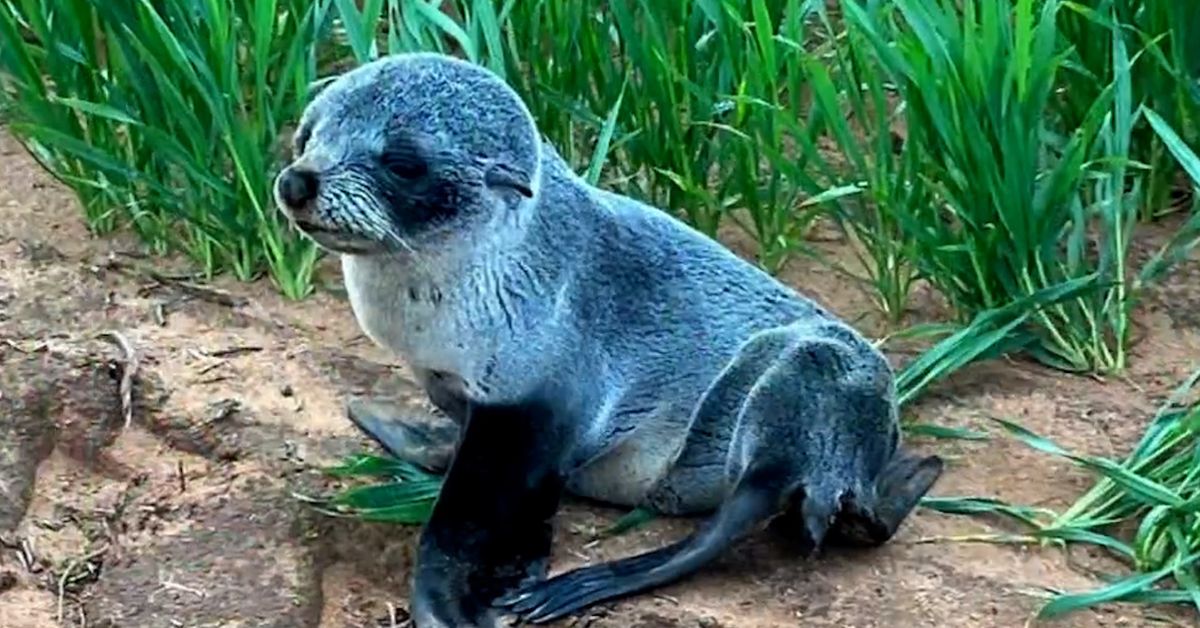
<point>335,240</point>
<point>311,228</point>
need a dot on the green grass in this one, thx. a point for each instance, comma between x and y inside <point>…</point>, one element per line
<point>1143,509</point>
<point>405,495</point>
<point>166,117</point>
<point>1164,77</point>
<point>1020,203</point>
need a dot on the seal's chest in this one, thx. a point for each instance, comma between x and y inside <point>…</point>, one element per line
<point>393,310</point>
<point>430,327</point>
<point>423,338</point>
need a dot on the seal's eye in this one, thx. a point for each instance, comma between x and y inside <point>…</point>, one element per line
<point>403,160</point>
<point>300,139</point>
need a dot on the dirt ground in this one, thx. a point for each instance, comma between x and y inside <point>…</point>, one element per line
<point>185,517</point>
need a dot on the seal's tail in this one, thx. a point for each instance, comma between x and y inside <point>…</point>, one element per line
<point>898,490</point>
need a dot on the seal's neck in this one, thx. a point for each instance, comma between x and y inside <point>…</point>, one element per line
<point>496,261</point>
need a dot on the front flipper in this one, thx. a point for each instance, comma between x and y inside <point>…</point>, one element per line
<point>538,602</point>
<point>426,444</point>
<point>490,528</point>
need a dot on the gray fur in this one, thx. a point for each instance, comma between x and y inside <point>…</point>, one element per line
<point>693,364</point>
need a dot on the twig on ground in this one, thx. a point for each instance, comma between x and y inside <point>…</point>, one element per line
<point>203,356</point>
<point>667,598</point>
<point>219,359</point>
<point>205,293</point>
<point>41,346</point>
<point>62,580</point>
<point>26,556</point>
<point>222,410</point>
<point>182,283</point>
<point>232,351</point>
<point>212,366</point>
<point>171,585</point>
<point>130,371</point>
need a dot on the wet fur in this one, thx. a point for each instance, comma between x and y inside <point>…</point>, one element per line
<point>584,342</point>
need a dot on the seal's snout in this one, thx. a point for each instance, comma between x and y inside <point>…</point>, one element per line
<point>297,188</point>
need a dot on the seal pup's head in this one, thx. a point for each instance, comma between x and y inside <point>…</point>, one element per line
<point>407,152</point>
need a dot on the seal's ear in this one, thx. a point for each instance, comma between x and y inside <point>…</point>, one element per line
<point>503,175</point>
<point>319,85</point>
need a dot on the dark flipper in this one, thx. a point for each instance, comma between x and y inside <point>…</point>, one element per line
<point>490,528</point>
<point>568,593</point>
<point>904,481</point>
<point>427,444</point>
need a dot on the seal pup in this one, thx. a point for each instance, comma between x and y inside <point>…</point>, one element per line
<point>581,342</point>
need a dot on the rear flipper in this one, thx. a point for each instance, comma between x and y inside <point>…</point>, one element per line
<point>429,444</point>
<point>904,481</point>
<point>546,600</point>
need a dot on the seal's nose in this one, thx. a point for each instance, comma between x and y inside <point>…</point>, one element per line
<point>297,187</point>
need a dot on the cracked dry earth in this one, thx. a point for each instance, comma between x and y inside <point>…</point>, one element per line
<point>185,517</point>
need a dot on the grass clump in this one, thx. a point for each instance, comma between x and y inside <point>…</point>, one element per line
<point>1165,76</point>
<point>1020,204</point>
<point>1144,509</point>
<point>404,494</point>
<point>809,137</point>
<point>166,117</point>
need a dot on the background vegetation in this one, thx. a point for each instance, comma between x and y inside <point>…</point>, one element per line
<point>1005,152</point>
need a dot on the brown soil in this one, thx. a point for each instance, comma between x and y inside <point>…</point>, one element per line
<point>186,516</point>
